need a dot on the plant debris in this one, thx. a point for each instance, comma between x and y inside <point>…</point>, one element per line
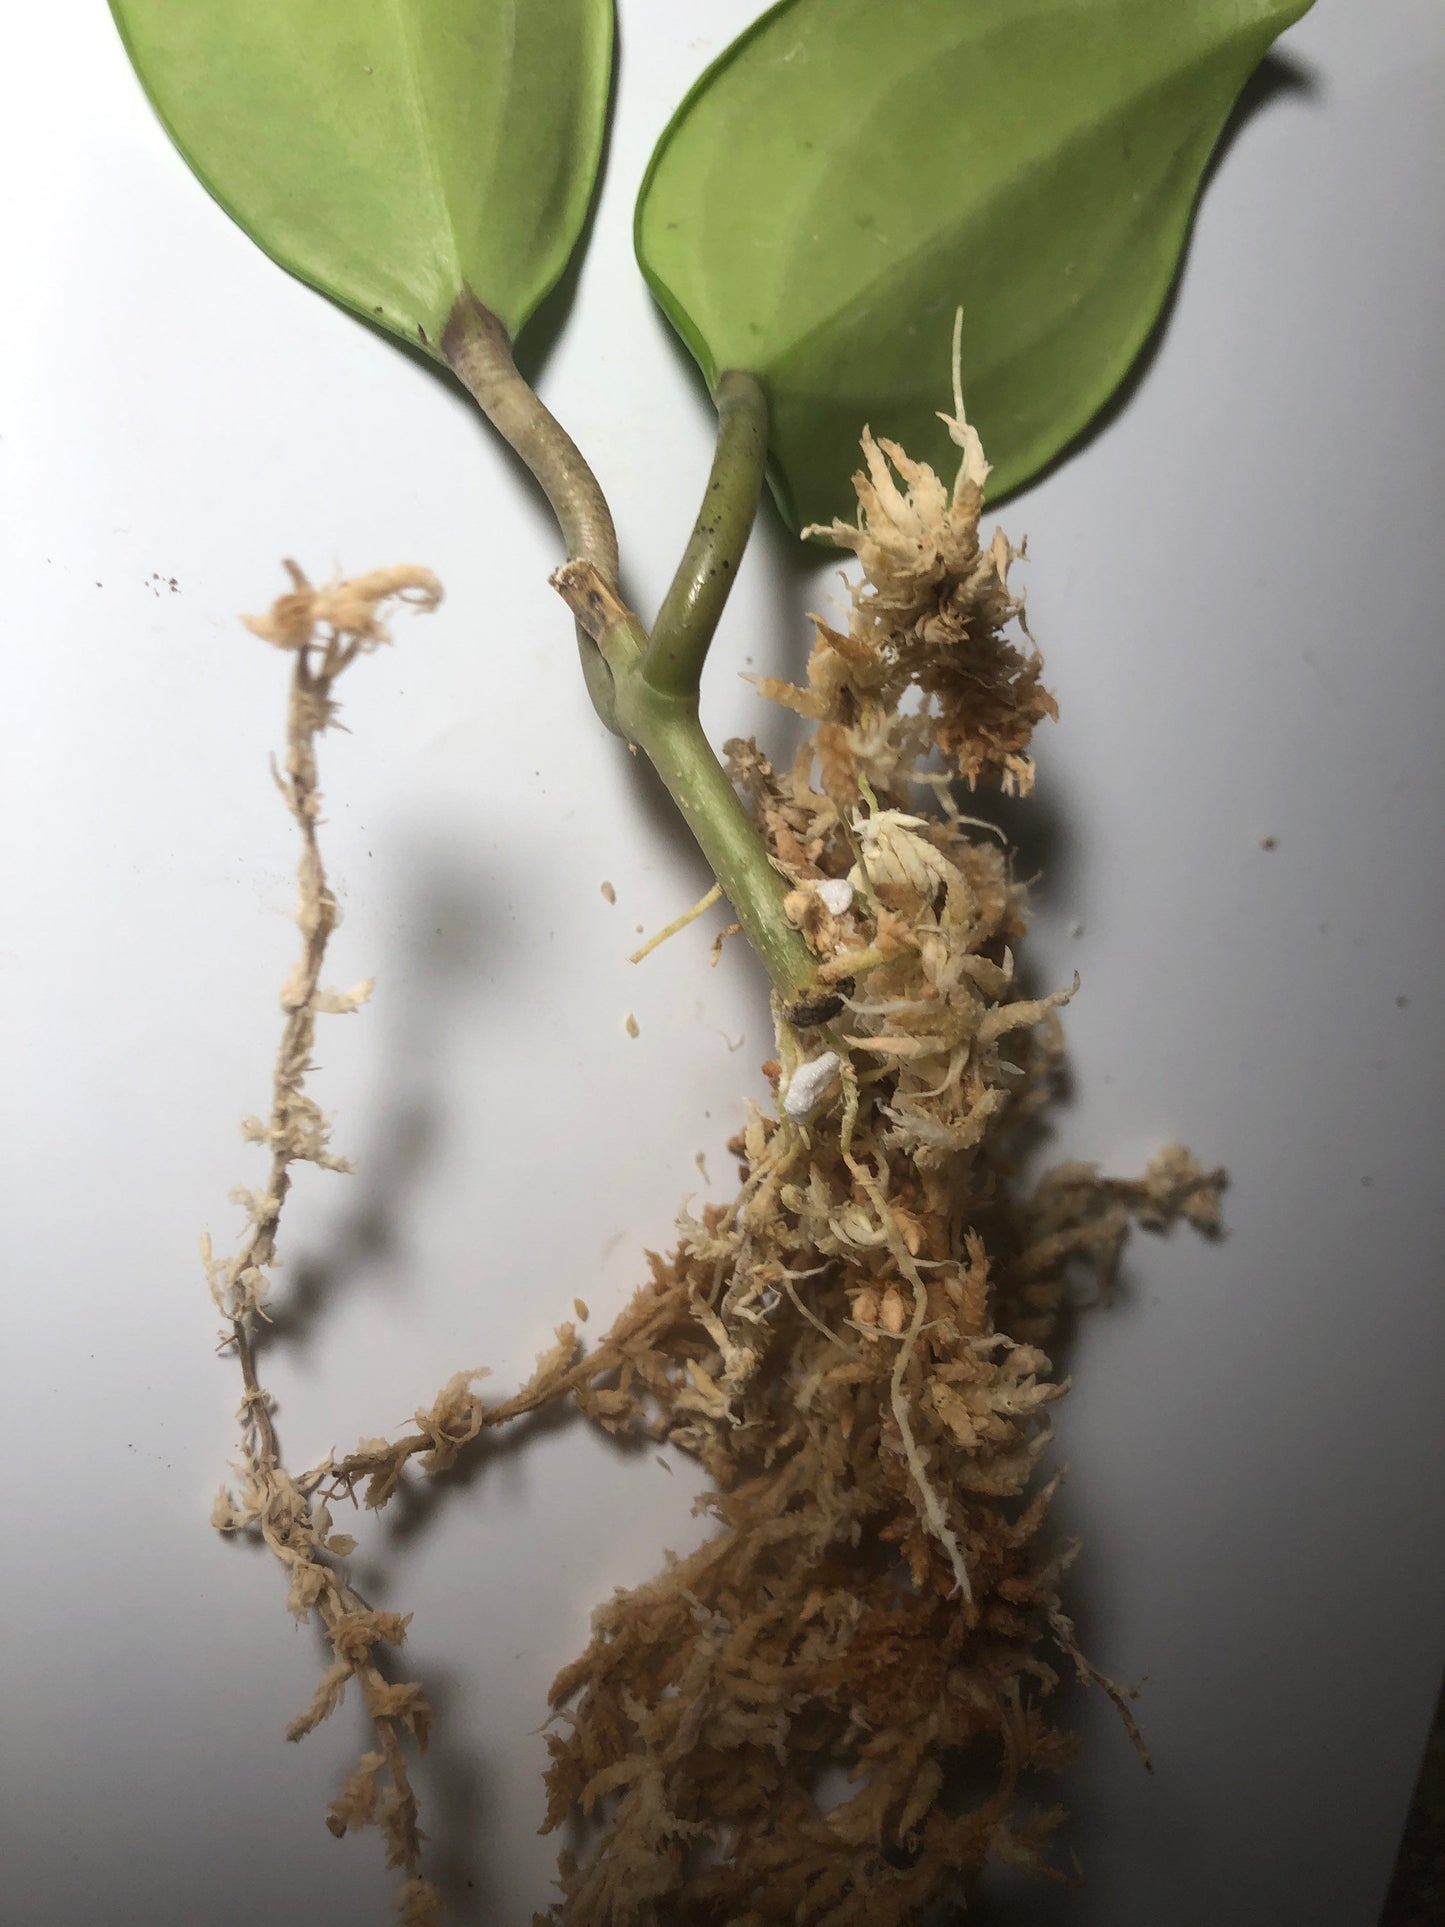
<point>778,1727</point>
<point>325,630</point>
<point>831,1711</point>
<point>704,902</point>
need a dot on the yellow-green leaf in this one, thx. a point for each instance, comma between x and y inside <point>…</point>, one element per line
<point>852,171</point>
<point>390,152</point>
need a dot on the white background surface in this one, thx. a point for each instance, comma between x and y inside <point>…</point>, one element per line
<point>1238,587</point>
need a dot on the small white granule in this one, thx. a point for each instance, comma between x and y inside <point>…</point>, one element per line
<point>808,1083</point>
<point>837,895</point>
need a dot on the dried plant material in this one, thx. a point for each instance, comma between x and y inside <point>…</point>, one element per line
<point>419,1904</point>
<point>325,630</point>
<point>728,930</point>
<point>347,614</point>
<point>780,1726</point>
<point>854,1348</point>
<point>609,894</point>
<point>704,902</point>
<point>456,1417</point>
<point>631,1026</point>
<point>931,614</point>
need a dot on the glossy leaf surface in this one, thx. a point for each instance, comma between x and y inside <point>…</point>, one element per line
<point>390,151</point>
<point>851,171</point>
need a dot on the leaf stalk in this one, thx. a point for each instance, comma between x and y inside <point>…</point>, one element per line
<point>479,351</point>
<point>667,729</point>
<point>691,608</point>
<point>644,687</point>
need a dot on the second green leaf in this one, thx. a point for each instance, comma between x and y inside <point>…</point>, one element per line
<point>850,172</point>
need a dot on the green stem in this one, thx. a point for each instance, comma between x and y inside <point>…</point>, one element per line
<point>665,727</point>
<point>647,689</point>
<point>667,730</point>
<point>690,611</point>
<point>480,353</point>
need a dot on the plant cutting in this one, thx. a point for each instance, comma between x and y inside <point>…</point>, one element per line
<point>854,1346</point>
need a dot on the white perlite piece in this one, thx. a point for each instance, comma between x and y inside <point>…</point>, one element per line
<point>808,1083</point>
<point>837,895</point>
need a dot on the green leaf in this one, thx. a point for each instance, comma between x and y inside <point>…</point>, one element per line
<point>390,152</point>
<point>852,171</point>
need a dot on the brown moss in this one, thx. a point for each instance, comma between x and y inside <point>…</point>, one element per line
<point>852,1349</point>
<point>781,1726</point>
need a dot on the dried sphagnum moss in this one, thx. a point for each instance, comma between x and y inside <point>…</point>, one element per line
<point>853,1349</point>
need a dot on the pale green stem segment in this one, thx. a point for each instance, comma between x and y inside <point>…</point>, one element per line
<point>480,352</point>
<point>690,611</point>
<point>667,729</point>
<point>646,689</point>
